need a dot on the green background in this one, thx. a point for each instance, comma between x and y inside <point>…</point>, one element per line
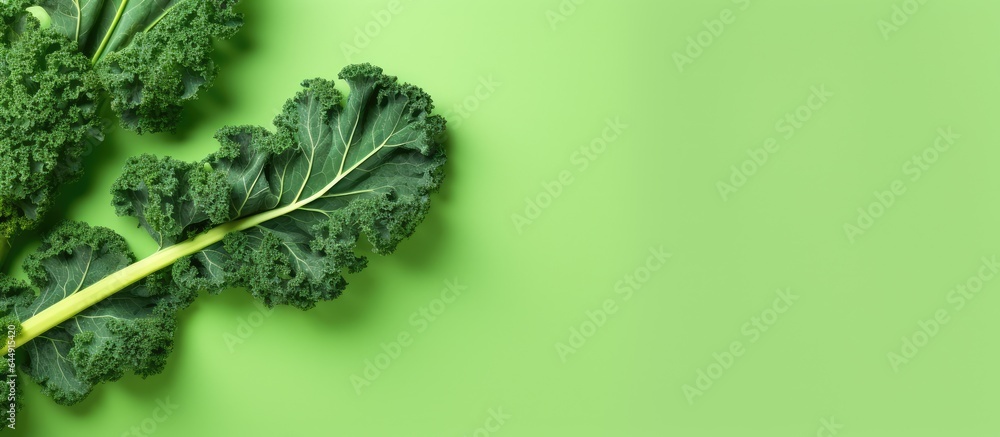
<point>557,81</point>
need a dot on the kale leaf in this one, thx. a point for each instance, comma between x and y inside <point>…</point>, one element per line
<point>279,213</point>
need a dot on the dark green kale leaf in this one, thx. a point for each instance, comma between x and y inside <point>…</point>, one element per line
<point>49,119</point>
<point>296,200</point>
<point>143,58</point>
<point>152,55</point>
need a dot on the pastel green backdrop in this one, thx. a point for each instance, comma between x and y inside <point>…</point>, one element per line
<point>645,234</point>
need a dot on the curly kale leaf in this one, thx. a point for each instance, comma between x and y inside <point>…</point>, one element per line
<point>280,213</point>
<point>152,55</point>
<point>295,201</point>
<point>129,332</point>
<point>144,57</point>
<point>181,194</point>
<point>49,118</point>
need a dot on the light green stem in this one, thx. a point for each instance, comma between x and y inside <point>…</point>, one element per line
<point>111,31</point>
<point>117,281</point>
<point>70,306</point>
